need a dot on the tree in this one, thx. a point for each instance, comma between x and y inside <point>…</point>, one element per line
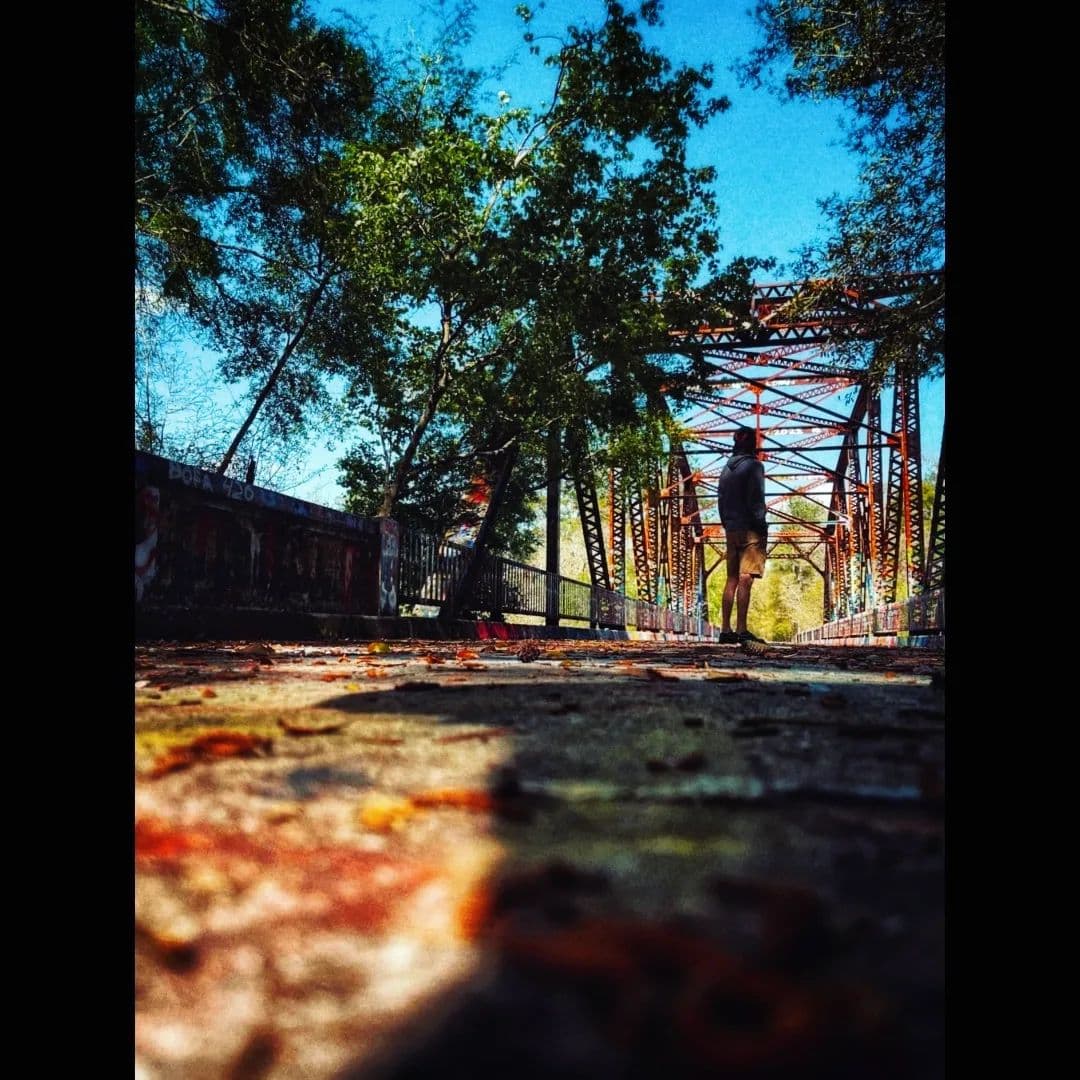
<point>929,490</point>
<point>885,60</point>
<point>241,110</point>
<point>529,253</point>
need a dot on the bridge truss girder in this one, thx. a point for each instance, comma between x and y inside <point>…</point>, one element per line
<point>776,373</point>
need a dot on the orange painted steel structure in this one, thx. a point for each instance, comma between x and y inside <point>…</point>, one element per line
<point>775,371</point>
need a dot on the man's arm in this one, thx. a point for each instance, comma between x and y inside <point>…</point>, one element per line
<point>755,497</point>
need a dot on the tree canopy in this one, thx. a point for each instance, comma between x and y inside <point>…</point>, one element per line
<point>242,109</point>
<point>885,60</point>
<point>532,254</point>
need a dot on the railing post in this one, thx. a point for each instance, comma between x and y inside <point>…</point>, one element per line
<point>554,522</point>
<point>551,615</point>
<point>497,568</point>
<point>389,561</point>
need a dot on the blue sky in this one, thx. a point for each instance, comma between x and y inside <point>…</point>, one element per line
<point>774,160</point>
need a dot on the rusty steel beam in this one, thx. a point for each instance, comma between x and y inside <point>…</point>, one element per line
<point>643,573</point>
<point>903,500</point>
<point>874,504</point>
<point>935,563</point>
<point>617,530</point>
<point>588,507</point>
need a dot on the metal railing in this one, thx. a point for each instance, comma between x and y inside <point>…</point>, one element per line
<point>431,570</point>
<point>922,615</point>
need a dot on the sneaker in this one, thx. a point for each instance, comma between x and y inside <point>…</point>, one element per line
<point>727,637</point>
<point>745,635</point>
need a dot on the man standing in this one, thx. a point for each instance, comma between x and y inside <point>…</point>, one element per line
<point>742,512</point>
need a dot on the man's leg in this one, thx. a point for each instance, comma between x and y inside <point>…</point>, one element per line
<point>727,601</point>
<point>742,601</point>
<point>732,583</point>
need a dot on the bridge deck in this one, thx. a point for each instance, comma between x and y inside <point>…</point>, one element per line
<point>539,858</point>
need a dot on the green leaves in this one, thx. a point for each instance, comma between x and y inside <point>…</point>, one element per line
<point>886,61</point>
<point>532,239</point>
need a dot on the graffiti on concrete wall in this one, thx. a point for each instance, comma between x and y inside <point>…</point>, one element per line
<point>388,567</point>
<point>205,539</point>
<point>238,491</point>
<point>147,514</point>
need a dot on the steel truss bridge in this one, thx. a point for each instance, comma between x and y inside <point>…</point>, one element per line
<point>821,435</point>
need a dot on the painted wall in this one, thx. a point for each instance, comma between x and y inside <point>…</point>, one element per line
<point>207,540</point>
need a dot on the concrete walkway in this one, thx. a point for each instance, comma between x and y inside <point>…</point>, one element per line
<point>407,859</point>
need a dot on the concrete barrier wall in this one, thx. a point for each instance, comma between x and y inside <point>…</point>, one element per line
<point>203,540</point>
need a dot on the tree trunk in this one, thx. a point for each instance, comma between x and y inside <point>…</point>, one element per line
<point>290,348</point>
<point>404,465</point>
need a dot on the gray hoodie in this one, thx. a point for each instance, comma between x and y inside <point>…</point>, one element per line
<point>741,493</point>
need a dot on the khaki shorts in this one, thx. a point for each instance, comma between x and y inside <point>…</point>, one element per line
<point>745,553</point>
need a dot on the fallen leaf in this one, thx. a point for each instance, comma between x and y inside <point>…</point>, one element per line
<point>173,761</point>
<point>373,673</point>
<point>141,684</point>
<point>431,658</point>
<point>307,729</point>
<point>174,944</point>
<point>256,649</point>
<point>384,813</point>
<point>209,746</point>
<point>890,674</point>
<point>466,654</point>
<point>475,667</point>
<point>342,659</point>
<point>331,678</point>
<point>484,735</point>
<point>528,653</point>
<point>229,743</point>
<point>351,686</point>
<point>568,664</point>
<point>314,662</point>
<point>460,798</point>
<point>208,693</point>
<point>378,647</point>
<point>657,675</point>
